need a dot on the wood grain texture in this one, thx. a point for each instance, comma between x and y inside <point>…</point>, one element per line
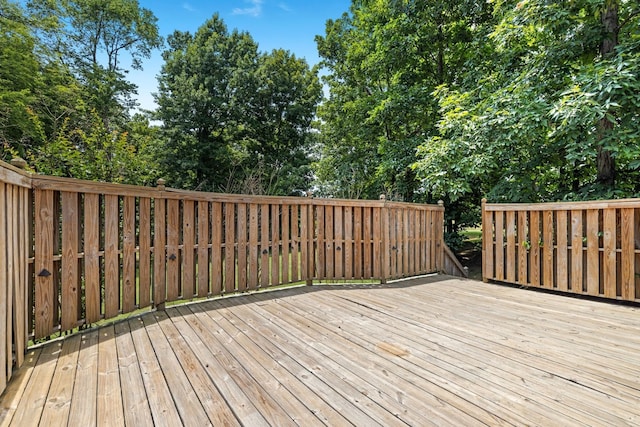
<point>229,247</point>
<point>217,226</point>
<point>320,243</point>
<point>111,256</point>
<point>488,244</point>
<point>535,237</point>
<point>561,253</point>
<point>44,292</point>
<point>242,231</point>
<point>627,255</point>
<point>581,248</point>
<point>379,267</point>
<point>329,242</point>
<point>83,408</point>
<point>70,276</point>
<point>204,268</point>
<point>5,309</point>
<point>593,252</point>
<point>159,252</point>
<point>306,243</point>
<point>348,243</point>
<point>338,242</point>
<point>173,250</point>
<point>609,237</point>
<point>548,250</point>
<point>577,252</point>
<point>144,255</point>
<point>295,243</point>
<point>367,244</point>
<point>188,249</point>
<point>92,286</point>
<point>265,245</point>
<point>285,248</point>
<point>24,290</point>
<point>510,262</point>
<point>499,254</point>
<point>129,279</point>
<point>523,252</point>
<point>415,352</point>
<point>254,248</point>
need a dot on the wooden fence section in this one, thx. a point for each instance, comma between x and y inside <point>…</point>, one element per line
<point>92,251</point>
<point>590,248</point>
<point>14,268</point>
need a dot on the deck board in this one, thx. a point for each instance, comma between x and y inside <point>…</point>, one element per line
<point>85,388</point>
<point>428,351</point>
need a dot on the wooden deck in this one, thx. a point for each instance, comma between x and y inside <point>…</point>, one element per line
<point>430,351</point>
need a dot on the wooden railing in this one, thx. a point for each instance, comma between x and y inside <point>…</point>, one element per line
<point>78,252</point>
<point>14,268</point>
<point>590,248</point>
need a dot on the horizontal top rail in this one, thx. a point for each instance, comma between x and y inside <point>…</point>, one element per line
<point>10,174</point>
<point>92,187</point>
<point>562,206</point>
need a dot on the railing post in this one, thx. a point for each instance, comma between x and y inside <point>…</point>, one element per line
<point>14,253</point>
<point>385,254</point>
<point>486,233</point>
<point>20,163</point>
<point>439,237</point>
<point>309,225</point>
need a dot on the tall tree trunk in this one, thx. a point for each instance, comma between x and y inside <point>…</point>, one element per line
<point>605,162</point>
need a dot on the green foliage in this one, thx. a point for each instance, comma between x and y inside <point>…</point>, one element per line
<point>19,72</point>
<point>96,153</point>
<point>62,118</point>
<point>384,59</point>
<point>90,38</point>
<point>235,119</point>
<point>536,121</point>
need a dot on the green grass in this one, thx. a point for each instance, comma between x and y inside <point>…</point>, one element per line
<point>472,235</point>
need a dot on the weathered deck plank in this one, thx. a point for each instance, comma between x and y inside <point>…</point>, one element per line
<point>85,388</point>
<point>429,351</point>
<point>163,409</point>
<point>11,398</point>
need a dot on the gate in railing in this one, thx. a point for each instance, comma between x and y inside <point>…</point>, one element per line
<point>590,248</point>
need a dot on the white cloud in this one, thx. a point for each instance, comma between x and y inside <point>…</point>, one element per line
<point>255,10</point>
<point>188,7</point>
<point>285,7</point>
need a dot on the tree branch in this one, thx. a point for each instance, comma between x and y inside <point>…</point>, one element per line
<point>629,18</point>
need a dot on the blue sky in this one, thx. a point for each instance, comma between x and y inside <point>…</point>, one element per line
<point>286,24</point>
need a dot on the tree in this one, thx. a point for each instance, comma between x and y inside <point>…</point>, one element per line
<point>280,111</point>
<point>384,59</point>
<point>19,80</point>
<point>553,114</point>
<point>199,104</point>
<point>49,115</point>
<point>90,37</point>
<point>235,120</point>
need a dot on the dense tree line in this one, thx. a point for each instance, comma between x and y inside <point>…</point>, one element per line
<point>531,100</point>
<point>231,118</point>
<point>235,119</point>
<point>519,101</point>
<point>64,98</point>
